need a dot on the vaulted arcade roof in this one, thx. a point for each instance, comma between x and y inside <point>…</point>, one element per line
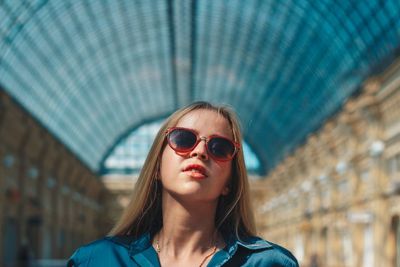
<point>90,71</point>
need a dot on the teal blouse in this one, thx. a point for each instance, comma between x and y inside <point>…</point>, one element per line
<point>126,251</point>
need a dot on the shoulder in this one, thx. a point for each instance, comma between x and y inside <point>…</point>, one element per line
<point>98,250</point>
<point>260,252</point>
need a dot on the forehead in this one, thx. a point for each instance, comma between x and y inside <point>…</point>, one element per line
<point>206,122</point>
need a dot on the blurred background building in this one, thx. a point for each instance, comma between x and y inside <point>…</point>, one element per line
<point>85,85</point>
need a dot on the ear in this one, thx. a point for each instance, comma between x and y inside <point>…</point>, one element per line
<point>225,191</point>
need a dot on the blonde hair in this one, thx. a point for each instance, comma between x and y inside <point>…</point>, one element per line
<point>143,213</point>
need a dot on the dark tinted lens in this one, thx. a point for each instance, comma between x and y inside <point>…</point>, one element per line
<point>221,148</point>
<point>182,139</point>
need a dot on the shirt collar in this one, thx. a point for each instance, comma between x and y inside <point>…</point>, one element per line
<point>253,243</point>
<point>133,245</point>
<point>232,244</point>
<point>141,250</point>
<point>144,242</point>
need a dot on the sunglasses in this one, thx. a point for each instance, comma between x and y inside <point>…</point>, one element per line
<point>184,140</point>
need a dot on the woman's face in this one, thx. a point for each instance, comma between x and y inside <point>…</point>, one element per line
<point>195,174</point>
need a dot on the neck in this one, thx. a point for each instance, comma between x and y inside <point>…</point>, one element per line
<point>187,227</point>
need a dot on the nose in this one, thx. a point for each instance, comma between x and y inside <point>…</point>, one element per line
<point>200,151</point>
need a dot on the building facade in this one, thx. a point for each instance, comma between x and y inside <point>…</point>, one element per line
<point>336,199</point>
<point>49,200</point>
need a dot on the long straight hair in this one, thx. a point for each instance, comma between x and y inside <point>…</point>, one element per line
<point>143,214</point>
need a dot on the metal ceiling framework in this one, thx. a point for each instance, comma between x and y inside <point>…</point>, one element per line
<point>90,71</point>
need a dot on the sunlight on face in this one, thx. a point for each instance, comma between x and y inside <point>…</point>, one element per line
<point>175,177</point>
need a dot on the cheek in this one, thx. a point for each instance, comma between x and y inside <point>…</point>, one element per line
<point>164,166</point>
<point>225,172</point>
<point>169,163</point>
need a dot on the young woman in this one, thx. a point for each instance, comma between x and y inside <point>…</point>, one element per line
<point>190,205</point>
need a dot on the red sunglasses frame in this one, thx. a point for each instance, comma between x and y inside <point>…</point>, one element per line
<point>236,145</point>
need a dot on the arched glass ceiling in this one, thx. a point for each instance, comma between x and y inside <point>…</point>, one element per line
<point>91,70</point>
<point>130,153</point>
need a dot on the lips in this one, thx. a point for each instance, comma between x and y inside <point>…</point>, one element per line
<point>195,171</point>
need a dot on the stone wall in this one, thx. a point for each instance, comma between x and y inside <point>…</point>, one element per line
<point>48,198</point>
<point>338,195</point>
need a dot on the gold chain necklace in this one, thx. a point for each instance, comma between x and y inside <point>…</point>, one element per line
<point>202,262</point>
